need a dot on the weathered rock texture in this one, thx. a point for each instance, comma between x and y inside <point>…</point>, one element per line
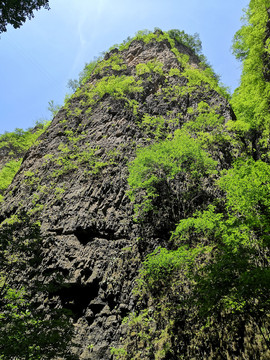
<point>74,180</point>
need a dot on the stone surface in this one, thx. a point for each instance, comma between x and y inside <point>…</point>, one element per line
<point>88,216</point>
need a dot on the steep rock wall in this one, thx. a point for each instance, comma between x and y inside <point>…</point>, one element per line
<point>74,181</point>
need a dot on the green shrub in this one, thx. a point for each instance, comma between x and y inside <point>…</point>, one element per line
<point>161,263</point>
<point>153,125</point>
<point>247,186</point>
<point>7,173</point>
<point>19,141</point>
<point>149,67</point>
<point>116,86</point>
<point>191,41</point>
<point>250,100</point>
<point>162,162</point>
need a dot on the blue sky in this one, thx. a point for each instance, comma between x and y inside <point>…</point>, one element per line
<point>37,60</point>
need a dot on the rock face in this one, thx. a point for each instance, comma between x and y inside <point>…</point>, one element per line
<point>74,181</point>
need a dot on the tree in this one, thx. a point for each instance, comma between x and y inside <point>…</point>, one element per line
<point>155,166</point>
<point>84,75</point>
<point>53,108</point>
<point>15,12</point>
<point>250,100</point>
<point>209,289</point>
<point>191,41</point>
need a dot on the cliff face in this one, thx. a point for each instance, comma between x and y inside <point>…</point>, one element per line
<point>74,180</point>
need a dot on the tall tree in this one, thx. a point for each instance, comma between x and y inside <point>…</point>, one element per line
<point>15,12</point>
<point>250,100</point>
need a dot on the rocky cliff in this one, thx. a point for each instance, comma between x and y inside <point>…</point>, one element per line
<point>74,180</point>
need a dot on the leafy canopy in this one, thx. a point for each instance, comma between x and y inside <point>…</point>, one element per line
<point>162,162</point>
<point>16,12</point>
<point>210,284</point>
<point>15,144</point>
<point>250,100</point>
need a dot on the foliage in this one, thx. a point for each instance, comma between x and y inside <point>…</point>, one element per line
<point>204,77</point>
<point>115,62</point>
<point>251,99</point>
<point>205,120</point>
<point>118,352</point>
<point>15,144</point>
<point>219,270</point>
<point>27,329</point>
<point>71,156</point>
<point>8,172</point>
<point>247,186</point>
<point>208,289</point>
<point>116,86</point>
<point>206,123</point>
<point>162,162</point>
<point>94,67</point>
<point>87,71</point>
<point>53,108</point>
<point>242,237</point>
<point>161,263</point>
<point>19,141</point>
<point>150,66</point>
<point>83,76</point>
<point>153,125</point>
<point>191,41</point>
<point>15,13</point>
<point>202,292</point>
<point>203,223</point>
<point>111,68</point>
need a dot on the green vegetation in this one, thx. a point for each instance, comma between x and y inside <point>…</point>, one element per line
<point>209,290</point>
<point>251,100</point>
<point>149,67</point>
<point>26,330</point>
<point>161,162</point>
<point>204,184</point>
<point>7,174</point>
<point>118,352</point>
<point>204,74</point>
<point>83,76</point>
<point>53,108</point>
<point>14,145</point>
<point>19,141</point>
<point>153,125</point>
<point>15,13</point>
<point>213,278</point>
<point>191,41</point>
<point>70,158</point>
<point>116,86</point>
<point>115,62</point>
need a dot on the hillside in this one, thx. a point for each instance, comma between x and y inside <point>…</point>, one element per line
<point>138,223</point>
